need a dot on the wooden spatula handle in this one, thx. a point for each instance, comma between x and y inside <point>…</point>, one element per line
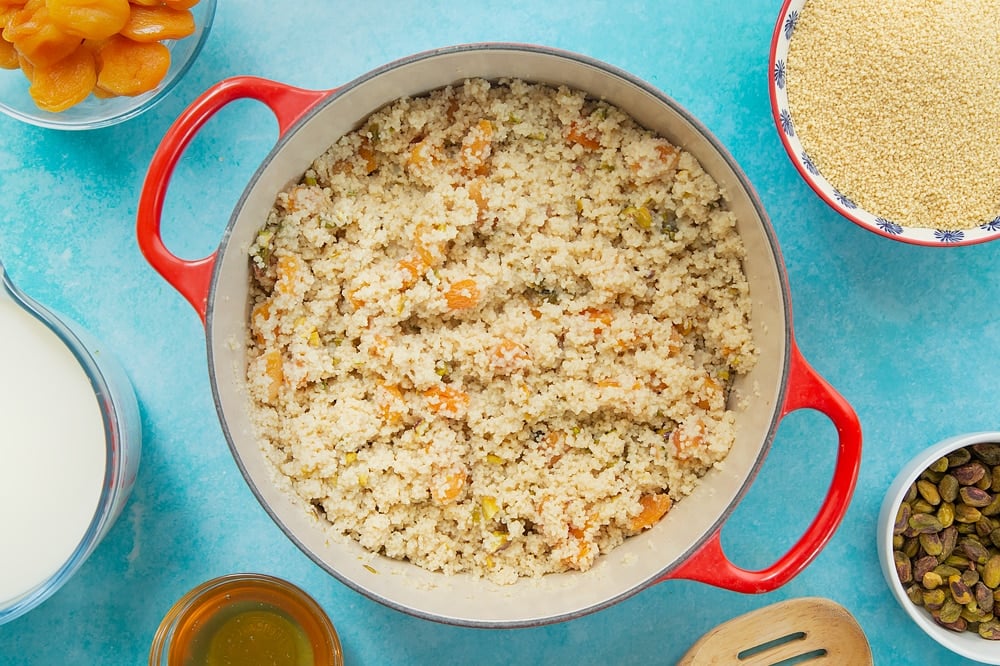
<point>809,628</point>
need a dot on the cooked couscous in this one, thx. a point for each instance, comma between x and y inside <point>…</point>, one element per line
<point>494,330</point>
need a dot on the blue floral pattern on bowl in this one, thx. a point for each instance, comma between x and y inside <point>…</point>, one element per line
<point>791,20</point>
<point>992,225</point>
<point>784,31</point>
<point>844,200</point>
<point>809,165</point>
<point>946,236</point>
<point>786,123</point>
<point>888,226</point>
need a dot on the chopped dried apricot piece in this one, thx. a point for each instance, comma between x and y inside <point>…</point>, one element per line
<point>578,559</point>
<point>154,24</point>
<point>508,355</point>
<point>668,153</point>
<point>90,19</point>
<point>599,316</point>
<point>367,153</point>
<point>424,250</point>
<point>684,441</point>
<point>475,191</point>
<point>129,68</point>
<point>352,297</point>
<point>449,487</point>
<point>67,82</point>
<point>578,136</point>
<point>476,147</point>
<point>288,269</point>
<point>555,446</point>
<point>422,155</point>
<point>180,4</point>
<point>667,157</point>
<point>654,507</point>
<point>290,201</point>
<point>462,295</point>
<point>674,342</point>
<point>710,393</point>
<point>261,313</point>
<point>447,400</point>
<point>389,401</point>
<point>378,345</point>
<point>412,269</point>
<point>632,340</point>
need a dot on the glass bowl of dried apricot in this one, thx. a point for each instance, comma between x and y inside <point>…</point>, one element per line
<point>84,64</point>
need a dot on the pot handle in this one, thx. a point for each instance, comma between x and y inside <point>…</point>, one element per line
<point>193,277</point>
<point>806,390</point>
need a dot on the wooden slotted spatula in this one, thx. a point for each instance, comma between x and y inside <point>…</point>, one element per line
<point>807,631</point>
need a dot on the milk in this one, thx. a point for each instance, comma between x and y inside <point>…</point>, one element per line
<point>52,452</point>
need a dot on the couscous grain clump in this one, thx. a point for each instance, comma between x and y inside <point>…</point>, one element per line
<point>494,330</point>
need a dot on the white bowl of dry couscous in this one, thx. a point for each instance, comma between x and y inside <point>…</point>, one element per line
<point>499,335</point>
<point>888,112</point>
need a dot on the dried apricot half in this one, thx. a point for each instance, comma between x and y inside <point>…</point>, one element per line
<point>61,85</point>
<point>37,38</point>
<point>90,19</point>
<point>154,24</point>
<point>125,67</point>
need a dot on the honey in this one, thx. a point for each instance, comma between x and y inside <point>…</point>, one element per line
<point>245,620</point>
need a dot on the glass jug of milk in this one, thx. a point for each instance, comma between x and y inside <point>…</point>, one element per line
<point>70,440</point>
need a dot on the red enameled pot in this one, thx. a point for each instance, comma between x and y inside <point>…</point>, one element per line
<point>686,543</point>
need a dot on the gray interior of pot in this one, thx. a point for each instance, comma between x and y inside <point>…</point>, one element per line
<point>642,559</point>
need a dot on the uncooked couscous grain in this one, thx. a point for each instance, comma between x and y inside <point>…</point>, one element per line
<point>494,330</point>
<point>896,105</point>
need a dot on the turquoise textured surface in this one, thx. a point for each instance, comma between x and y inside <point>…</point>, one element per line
<point>907,334</point>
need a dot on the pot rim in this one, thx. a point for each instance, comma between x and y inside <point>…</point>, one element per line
<point>788,342</point>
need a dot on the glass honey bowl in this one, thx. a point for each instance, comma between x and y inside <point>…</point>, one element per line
<point>243,620</point>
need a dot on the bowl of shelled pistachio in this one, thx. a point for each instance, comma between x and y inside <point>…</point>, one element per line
<point>939,543</point>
